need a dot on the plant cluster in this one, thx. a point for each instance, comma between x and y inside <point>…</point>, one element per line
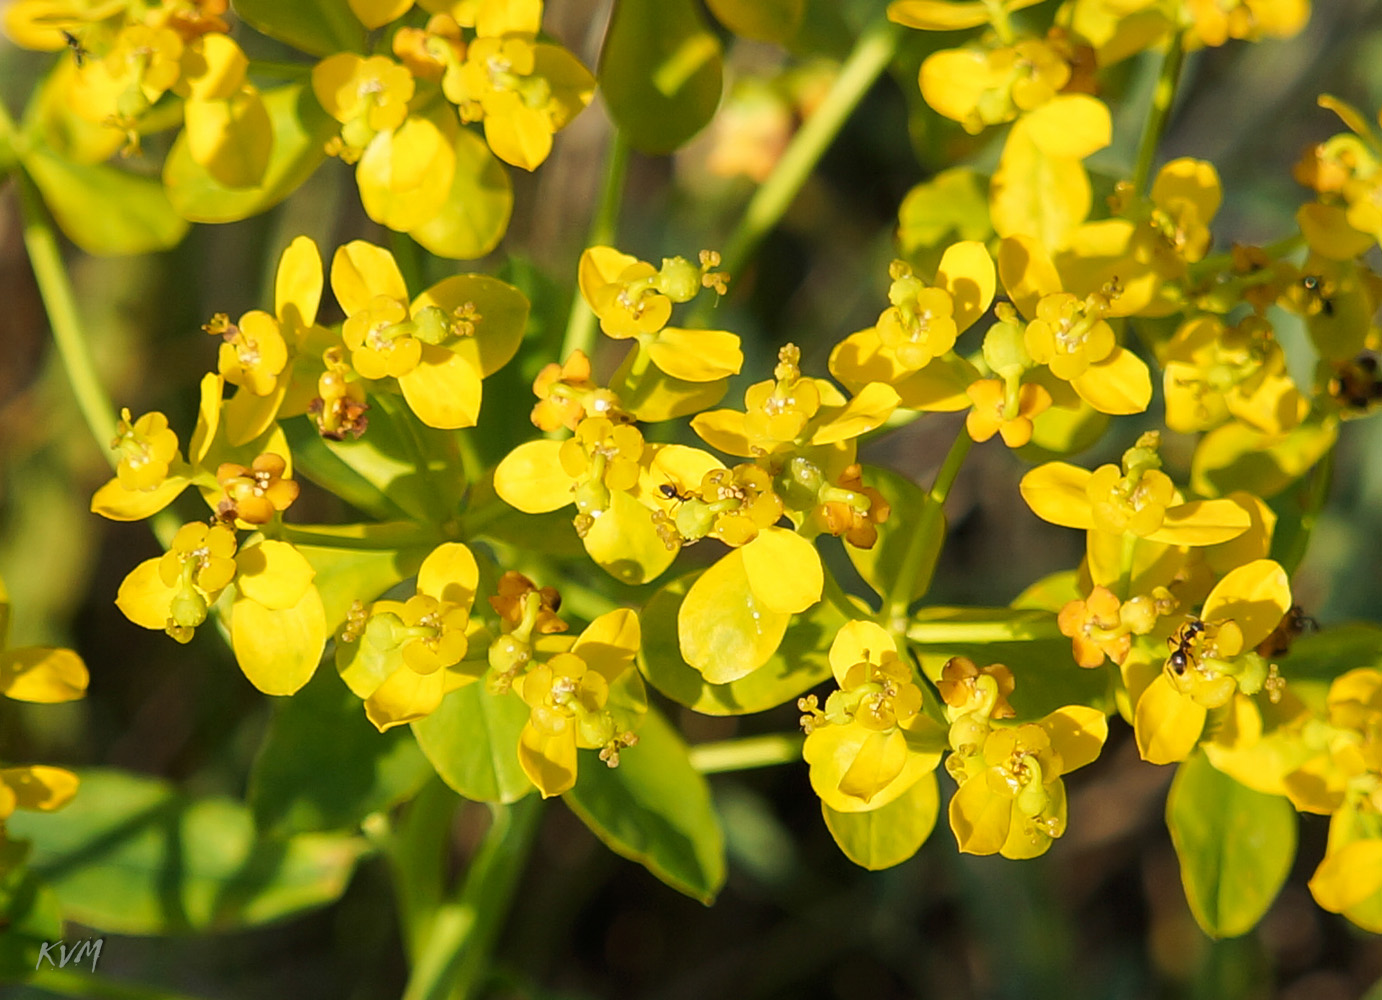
<point>462,603</point>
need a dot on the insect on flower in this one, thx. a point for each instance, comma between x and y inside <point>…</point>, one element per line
<point>1293,625</point>
<point>79,51</point>
<point>671,492</point>
<point>1182,645</point>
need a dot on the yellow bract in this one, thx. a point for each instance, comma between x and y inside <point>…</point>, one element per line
<point>570,701</point>
<point>872,742</point>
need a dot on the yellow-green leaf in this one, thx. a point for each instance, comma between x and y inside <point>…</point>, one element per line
<point>724,630</point>
<point>889,835</point>
<point>1235,847</point>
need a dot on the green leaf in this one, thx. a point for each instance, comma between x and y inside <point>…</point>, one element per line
<point>477,210</point>
<point>1235,846</point>
<point>881,838</point>
<point>102,209</point>
<point>551,533</point>
<point>130,855</point>
<point>323,766</point>
<point>315,461</point>
<point>880,565</point>
<point>300,131</point>
<point>417,467</point>
<point>655,809</point>
<point>1027,641</point>
<point>951,206</point>
<point>760,20</point>
<point>472,741</point>
<point>660,72</point>
<point>1236,457</point>
<point>354,572</point>
<point>318,27</point>
<point>32,915</point>
<point>798,664</point>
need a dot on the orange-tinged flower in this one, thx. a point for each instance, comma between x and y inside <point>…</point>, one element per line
<point>852,509</point>
<point>999,410</point>
<point>255,494</point>
<point>1095,628</point>
<point>968,689</point>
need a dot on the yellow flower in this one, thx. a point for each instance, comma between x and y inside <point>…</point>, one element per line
<point>366,95</point>
<point>522,89</point>
<point>402,657</point>
<point>920,325</point>
<point>173,593</point>
<point>1011,799</point>
<point>1070,334</point>
<point>1137,499</point>
<point>1212,657</point>
<point>1214,22</point>
<point>440,346</point>
<point>872,742</point>
<point>38,673</point>
<point>981,87</point>
<point>252,353</point>
<point>791,412</point>
<point>148,447</point>
<point>38,787</point>
<point>1212,373</point>
<point>575,701</point>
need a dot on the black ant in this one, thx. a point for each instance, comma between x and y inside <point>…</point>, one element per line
<point>1182,654</point>
<point>671,492</point>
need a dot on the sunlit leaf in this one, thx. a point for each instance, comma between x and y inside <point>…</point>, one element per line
<point>1235,847</point>
<point>655,809</point>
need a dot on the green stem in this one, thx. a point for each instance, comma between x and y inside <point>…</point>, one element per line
<point>1314,503</point>
<point>1127,556</point>
<point>417,854</point>
<point>900,594</point>
<point>1163,98</point>
<point>1017,627</point>
<point>360,537</point>
<point>836,595</point>
<point>746,752</point>
<point>872,53</point>
<point>66,983</point>
<point>455,954</point>
<point>581,324</point>
<point>61,304</point>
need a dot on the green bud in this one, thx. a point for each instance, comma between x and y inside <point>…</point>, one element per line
<point>431,326</point>
<point>1005,351</point>
<point>679,279</point>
